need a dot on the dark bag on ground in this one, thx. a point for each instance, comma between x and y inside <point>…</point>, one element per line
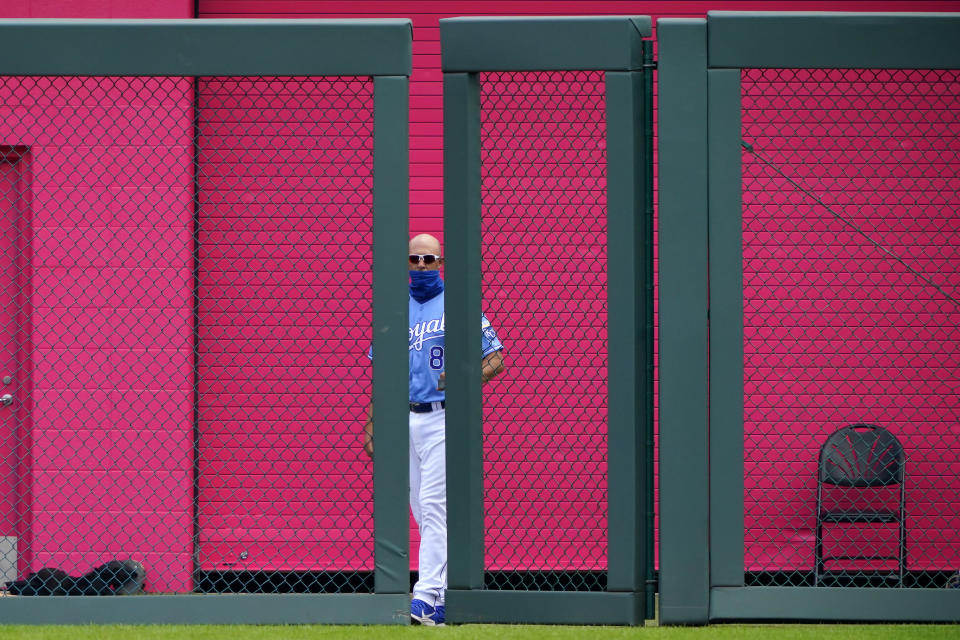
<point>112,579</point>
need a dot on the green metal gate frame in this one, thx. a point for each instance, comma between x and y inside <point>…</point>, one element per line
<point>701,445</point>
<point>614,45</point>
<point>190,48</point>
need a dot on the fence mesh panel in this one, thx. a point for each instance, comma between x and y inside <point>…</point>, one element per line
<point>284,325</point>
<point>187,274</point>
<point>851,239</point>
<point>544,288</point>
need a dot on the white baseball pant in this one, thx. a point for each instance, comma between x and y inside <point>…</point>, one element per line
<point>428,501</point>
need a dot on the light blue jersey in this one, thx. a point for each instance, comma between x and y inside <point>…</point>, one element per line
<point>426,346</point>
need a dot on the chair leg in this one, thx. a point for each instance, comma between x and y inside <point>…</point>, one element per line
<point>903,528</point>
<point>818,553</point>
<point>903,549</point>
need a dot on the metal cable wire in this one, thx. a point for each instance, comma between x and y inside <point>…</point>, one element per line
<point>751,149</point>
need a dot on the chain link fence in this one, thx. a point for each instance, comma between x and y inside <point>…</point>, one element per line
<point>851,257</point>
<point>186,268</point>
<point>285,232</point>
<point>544,239</point>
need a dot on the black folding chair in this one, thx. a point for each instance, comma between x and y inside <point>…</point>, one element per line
<point>856,463</point>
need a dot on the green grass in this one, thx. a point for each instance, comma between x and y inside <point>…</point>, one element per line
<point>478,632</point>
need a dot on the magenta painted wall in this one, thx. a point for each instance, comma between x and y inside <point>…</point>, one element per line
<point>97,9</point>
<point>110,447</point>
<point>543,187</point>
<point>112,421</point>
<point>541,417</point>
<point>836,330</point>
<point>111,338</point>
<point>285,232</point>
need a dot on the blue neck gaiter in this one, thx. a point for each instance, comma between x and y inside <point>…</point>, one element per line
<point>425,285</point>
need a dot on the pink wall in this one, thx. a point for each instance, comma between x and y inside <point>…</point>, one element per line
<point>111,343</point>
<point>426,177</point>
<point>545,414</point>
<point>544,196</point>
<point>112,327</point>
<point>285,232</point>
<point>97,9</point>
<point>837,331</point>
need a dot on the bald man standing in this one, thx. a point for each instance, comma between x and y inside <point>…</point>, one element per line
<point>428,472</point>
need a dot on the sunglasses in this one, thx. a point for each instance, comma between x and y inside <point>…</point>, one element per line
<point>428,258</point>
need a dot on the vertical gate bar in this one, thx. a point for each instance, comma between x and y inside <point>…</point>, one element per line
<point>649,364</point>
<point>195,293</point>
<point>390,326</point>
<point>726,329</point>
<point>626,312</point>
<point>461,221</point>
<point>684,455</point>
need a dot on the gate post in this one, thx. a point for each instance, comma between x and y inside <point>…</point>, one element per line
<point>684,463</point>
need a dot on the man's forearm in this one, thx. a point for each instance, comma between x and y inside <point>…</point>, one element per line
<point>491,367</point>
<point>368,432</point>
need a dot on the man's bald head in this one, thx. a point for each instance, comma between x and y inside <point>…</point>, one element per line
<point>421,245</point>
<point>424,243</point>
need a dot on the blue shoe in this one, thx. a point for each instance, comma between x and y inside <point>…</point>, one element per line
<point>422,613</point>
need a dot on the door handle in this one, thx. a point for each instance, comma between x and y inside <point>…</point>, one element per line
<point>6,399</point>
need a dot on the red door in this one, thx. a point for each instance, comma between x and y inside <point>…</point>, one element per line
<point>14,375</point>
